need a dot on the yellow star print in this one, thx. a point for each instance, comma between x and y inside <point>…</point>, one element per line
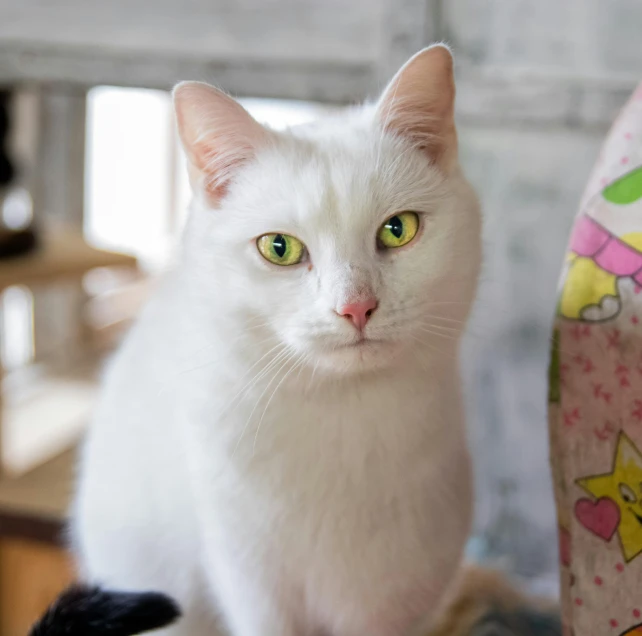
<point>624,486</point>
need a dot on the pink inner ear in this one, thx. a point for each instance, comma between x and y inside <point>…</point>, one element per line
<point>410,120</point>
<point>418,104</point>
<point>218,134</point>
<point>220,159</point>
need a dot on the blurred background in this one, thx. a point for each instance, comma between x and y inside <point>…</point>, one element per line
<point>93,196</point>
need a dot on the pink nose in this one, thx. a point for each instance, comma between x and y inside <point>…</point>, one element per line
<point>359,313</point>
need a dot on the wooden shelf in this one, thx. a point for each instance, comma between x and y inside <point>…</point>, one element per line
<point>40,497</point>
<point>61,255</point>
<point>47,421</point>
<point>46,408</point>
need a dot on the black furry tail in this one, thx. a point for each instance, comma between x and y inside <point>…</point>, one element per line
<point>91,611</point>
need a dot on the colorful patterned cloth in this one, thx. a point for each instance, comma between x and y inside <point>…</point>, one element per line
<point>595,397</point>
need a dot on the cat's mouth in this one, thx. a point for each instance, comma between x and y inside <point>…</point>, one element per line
<point>359,354</point>
<point>361,343</point>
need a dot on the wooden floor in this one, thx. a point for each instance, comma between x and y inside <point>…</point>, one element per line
<point>32,574</point>
<point>34,567</point>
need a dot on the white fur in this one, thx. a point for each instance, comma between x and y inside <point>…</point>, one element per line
<point>248,462</point>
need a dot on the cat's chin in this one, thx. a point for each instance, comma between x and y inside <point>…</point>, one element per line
<point>358,357</point>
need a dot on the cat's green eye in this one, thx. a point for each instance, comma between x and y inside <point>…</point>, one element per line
<point>398,230</point>
<point>281,249</point>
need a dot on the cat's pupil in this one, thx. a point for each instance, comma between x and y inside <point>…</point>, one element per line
<point>395,225</point>
<point>279,245</point>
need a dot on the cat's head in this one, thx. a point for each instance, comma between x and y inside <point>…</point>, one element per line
<point>352,241</point>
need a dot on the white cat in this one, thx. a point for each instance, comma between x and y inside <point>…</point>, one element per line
<point>281,441</point>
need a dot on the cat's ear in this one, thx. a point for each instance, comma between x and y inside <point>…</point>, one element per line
<point>217,133</point>
<point>419,104</point>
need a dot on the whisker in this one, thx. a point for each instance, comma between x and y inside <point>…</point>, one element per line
<point>258,428</point>
<point>248,385</point>
<point>446,319</point>
<point>267,386</point>
<point>451,330</point>
<point>306,357</point>
<point>259,375</point>
<point>314,371</point>
<point>285,362</point>
<point>439,335</point>
<point>431,347</point>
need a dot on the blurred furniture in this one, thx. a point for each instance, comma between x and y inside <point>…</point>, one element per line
<point>43,420</point>
<point>44,408</point>
<point>41,416</point>
<point>63,254</point>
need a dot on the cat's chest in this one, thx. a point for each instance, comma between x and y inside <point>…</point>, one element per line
<point>273,413</point>
<point>358,460</point>
<point>296,440</point>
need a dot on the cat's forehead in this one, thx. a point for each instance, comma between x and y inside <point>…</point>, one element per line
<point>331,177</point>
